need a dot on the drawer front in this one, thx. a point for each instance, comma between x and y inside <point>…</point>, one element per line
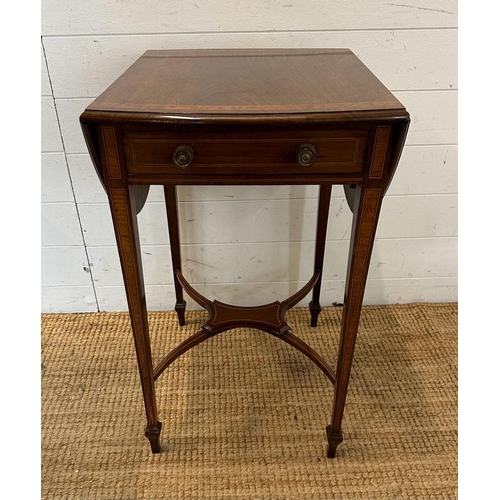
<point>335,151</point>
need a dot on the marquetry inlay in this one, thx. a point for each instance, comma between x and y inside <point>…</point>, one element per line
<point>379,154</point>
<point>111,149</point>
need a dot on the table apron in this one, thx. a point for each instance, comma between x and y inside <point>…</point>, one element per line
<point>221,180</point>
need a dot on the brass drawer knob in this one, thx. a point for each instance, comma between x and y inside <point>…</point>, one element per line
<point>183,155</point>
<point>306,155</point>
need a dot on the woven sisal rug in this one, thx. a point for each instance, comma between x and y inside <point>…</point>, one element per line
<point>244,414</point>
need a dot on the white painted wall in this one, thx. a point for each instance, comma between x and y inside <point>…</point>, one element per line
<point>235,247</point>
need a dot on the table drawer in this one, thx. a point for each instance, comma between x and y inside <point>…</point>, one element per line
<point>330,151</point>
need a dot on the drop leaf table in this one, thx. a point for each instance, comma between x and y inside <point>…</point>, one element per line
<point>246,117</point>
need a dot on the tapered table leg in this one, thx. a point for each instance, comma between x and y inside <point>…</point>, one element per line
<point>367,203</point>
<point>325,192</point>
<point>123,211</point>
<point>175,248</point>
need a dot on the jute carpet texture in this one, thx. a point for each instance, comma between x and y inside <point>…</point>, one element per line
<point>244,414</point>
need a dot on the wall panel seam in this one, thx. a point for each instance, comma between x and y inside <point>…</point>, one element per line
<point>441,145</point>
<point>69,174</point>
<point>251,32</point>
<point>250,200</point>
<point>268,283</point>
<point>92,97</point>
<point>277,242</point>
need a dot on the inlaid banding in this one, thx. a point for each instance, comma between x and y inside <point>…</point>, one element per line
<point>111,149</point>
<point>380,152</point>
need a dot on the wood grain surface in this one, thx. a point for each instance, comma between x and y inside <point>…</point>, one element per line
<point>225,81</point>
